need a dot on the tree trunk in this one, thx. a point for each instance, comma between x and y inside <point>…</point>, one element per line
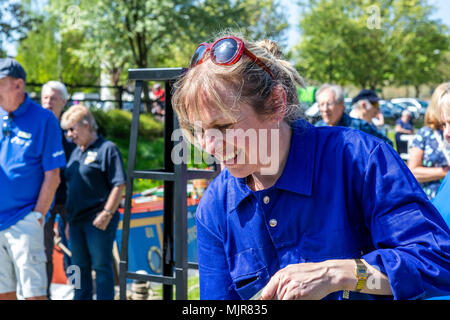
<point>115,77</point>
<point>417,91</point>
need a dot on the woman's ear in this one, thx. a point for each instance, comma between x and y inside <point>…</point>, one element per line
<point>278,101</point>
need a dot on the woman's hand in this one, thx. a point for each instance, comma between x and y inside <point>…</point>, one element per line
<point>102,220</point>
<point>311,281</point>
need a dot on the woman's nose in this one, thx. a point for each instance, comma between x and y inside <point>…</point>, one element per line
<point>212,141</point>
<point>208,143</point>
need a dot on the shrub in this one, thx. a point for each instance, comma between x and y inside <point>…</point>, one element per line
<point>117,124</point>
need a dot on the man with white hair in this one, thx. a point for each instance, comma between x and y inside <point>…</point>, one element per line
<point>331,105</point>
<point>54,97</point>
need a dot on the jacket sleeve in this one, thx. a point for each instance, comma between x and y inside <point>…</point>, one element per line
<point>411,239</point>
<point>215,280</point>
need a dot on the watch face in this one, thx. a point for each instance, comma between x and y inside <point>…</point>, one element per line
<point>362,272</point>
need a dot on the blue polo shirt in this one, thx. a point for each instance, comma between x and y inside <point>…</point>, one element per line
<point>32,148</point>
<point>342,194</point>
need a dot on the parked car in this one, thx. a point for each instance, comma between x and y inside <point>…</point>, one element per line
<point>391,110</point>
<point>348,105</point>
<point>417,107</point>
<point>386,110</point>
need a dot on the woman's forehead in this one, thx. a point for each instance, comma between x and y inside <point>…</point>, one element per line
<point>212,107</point>
<point>209,113</point>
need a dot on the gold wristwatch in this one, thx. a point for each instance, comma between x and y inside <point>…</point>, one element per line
<point>361,274</point>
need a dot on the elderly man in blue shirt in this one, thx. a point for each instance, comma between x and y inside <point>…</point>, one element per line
<point>31,155</point>
<point>330,99</point>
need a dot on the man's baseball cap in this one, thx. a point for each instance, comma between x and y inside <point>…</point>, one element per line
<point>366,94</point>
<point>11,68</point>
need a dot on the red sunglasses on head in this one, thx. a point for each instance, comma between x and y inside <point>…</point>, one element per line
<point>225,52</point>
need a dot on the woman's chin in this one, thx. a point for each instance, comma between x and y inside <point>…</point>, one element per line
<point>240,170</point>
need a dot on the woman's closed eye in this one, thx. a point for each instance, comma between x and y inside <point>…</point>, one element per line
<point>223,127</point>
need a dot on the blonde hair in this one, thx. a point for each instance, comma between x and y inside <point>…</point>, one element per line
<point>440,100</point>
<point>78,113</point>
<point>444,100</point>
<point>243,82</point>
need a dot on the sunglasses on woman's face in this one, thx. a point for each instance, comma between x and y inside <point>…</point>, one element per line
<point>7,125</point>
<point>224,52</point>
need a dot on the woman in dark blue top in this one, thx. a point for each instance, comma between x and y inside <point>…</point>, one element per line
<point>298,211</point>
<point>95,182</point>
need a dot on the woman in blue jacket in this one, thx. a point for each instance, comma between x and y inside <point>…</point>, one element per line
<point>298,211</point>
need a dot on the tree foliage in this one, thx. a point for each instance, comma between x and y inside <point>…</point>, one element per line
<point>46,56</point>
<point>16,20</point>
<point>137,34</point>
<point>371,43</point>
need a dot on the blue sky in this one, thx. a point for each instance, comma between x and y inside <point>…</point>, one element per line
<point>442,13</point>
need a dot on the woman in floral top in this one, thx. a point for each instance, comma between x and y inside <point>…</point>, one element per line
<point>429,156</point>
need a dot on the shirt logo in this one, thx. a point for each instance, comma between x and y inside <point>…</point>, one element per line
<point>58,153</point>
<point>91,156</point>
<point>20,141</point>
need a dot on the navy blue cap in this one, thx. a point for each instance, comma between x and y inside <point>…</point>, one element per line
<point>366,94</point>
<point>11,68</point>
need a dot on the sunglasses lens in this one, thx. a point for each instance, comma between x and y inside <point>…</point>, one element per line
<point>224,51</point>
<point>198,55</point>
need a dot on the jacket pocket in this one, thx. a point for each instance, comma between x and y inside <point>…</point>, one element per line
<point>248,273</point>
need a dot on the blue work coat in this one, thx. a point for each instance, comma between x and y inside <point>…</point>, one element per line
<point>343,194</point>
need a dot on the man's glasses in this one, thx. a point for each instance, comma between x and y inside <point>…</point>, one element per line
<point>7,124</point>
<point>225,52</point>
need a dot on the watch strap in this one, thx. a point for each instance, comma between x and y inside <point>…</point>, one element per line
<point>361,274</point>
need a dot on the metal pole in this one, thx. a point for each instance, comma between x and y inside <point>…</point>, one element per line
<point>123,265</point>
<point>168,196</point>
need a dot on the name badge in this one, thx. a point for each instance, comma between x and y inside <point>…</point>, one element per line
<point>91,156</point>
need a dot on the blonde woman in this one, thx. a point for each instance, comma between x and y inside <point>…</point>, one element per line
<point>95,182</point>
<point>299,212</point>
<point>428,156</point>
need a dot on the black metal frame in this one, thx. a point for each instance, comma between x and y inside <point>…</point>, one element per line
<point>175,177</point>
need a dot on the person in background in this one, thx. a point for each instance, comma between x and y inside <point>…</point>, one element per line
<point>378,122</point>
<point>158,97</point>
<point>54,97</point>
<point>331,106</point>
<point>95,182</point>
<point>327,212</point>
<point>365,106</point>
<point>403,126</point>
<point>428,155</point>
<point>31,155</point>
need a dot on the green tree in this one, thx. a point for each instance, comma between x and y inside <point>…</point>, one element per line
<point>420,47</point>
<point>152,33</point>
<point>49,56</point>
<point>16,19</point>
<point>370,43</point>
